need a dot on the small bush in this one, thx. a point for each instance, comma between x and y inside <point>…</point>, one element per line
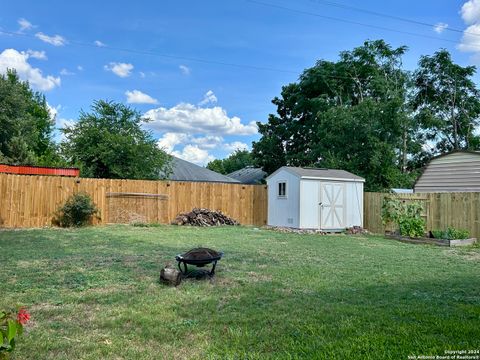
<point>451,234</point>
<point>439,234</point>
<point>413,227</point>
<point>77,211</point>
<point>406,216</point>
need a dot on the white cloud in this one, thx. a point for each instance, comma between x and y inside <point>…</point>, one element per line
<point>208,98</point>
<point>39,55</point>
<point>120,69</point>
<point>80,68</point>
<point>99,43</point>
<point>440,27</point>
<point>55,40</point>
<point>142,74</point>
<point>191,119</point>
<point>13,59</point>
<point>66,72</point>
<point>53,111</point>
<point>194,154</point>
<point>184,69</point>
<point>236,145</point>
<point>24,24</point>
<point>191,131</point>
<point>138,97</point>
<point>64,123</point>
<point>471,39</point>
<point>196,148</point>
<point>169,140</point>
<point>471,11</point>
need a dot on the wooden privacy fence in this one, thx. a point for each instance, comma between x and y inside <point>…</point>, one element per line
<point>460,210</point>
<point>31,201</point>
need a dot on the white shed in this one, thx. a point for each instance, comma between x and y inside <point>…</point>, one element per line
<point>309,198</point>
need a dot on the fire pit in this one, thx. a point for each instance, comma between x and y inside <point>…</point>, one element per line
<point>198,257</point>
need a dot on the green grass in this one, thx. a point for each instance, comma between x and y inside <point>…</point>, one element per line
<point>94,294</point>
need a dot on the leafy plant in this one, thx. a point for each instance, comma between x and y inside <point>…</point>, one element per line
<point>77,211</point>
<point>412,227</point>
<point>439,234</point>
<point>406,216</point>
<point>11,326</point>
<point>451,234</point>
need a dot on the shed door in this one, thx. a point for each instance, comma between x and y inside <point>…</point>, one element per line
<point>332,208</point>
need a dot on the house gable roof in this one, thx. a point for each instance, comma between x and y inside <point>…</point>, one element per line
<point>248,175</point>
<point>186,171</point>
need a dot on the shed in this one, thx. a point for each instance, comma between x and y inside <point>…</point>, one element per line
<point>310,198</point>
<point>456,171</point>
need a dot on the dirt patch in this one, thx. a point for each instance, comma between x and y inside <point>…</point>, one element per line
<point>467,255</point>
<point>256,277</point>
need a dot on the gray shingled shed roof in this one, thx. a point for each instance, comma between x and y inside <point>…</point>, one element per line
<point>187,171</point>
<point>249,175</point>
<point>318,173</point>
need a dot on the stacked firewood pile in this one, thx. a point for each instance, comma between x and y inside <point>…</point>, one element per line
<point>204,217</point>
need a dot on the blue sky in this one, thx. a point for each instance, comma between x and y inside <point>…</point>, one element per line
<point>71,50</point>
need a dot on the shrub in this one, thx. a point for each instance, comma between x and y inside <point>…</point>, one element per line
<point>413,227</point>
<point>78,210</point>
<point>11,326</point>
<point>439,234</point>
<point>451,234</point>
<point>406,216</point>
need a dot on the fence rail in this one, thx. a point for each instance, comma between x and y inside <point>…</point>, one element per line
<point>31,201</point>
<point>460,210</point>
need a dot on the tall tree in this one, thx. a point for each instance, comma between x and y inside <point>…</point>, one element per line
<point>349,114</point>
<point>447,102</point>
<point>236,161</point>
<point>109,142</point>
<point>26,125</point>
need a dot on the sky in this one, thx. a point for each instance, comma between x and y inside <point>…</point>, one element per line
<point>204,72</point>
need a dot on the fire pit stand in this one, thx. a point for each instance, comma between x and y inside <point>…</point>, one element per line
<point>198,257</point>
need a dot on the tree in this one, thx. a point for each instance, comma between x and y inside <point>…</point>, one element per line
<point>109,142</point>
<point>350,114</point>
<point>26,126</point>
<point>447,102</point>
<point>236,161</point>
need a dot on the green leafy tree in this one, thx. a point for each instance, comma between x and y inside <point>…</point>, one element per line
<point>26,126</point>
<point>109,142</point>
<point>350,114</point>
<point>447,102</point>
<point>236,161</point>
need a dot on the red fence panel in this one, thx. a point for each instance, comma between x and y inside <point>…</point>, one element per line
<point>38,170</point>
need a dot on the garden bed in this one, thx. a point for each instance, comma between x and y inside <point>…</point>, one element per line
<point>433,241</point>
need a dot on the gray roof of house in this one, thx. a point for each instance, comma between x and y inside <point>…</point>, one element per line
<point>322,173</point>
<point>249,175</point>
<point>186,171</point>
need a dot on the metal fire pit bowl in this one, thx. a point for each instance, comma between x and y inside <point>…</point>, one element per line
<point>198,257</point>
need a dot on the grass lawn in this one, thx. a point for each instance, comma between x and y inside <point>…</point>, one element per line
<point>94,294</point>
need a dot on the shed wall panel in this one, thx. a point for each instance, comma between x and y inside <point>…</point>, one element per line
<point>284,211</point>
